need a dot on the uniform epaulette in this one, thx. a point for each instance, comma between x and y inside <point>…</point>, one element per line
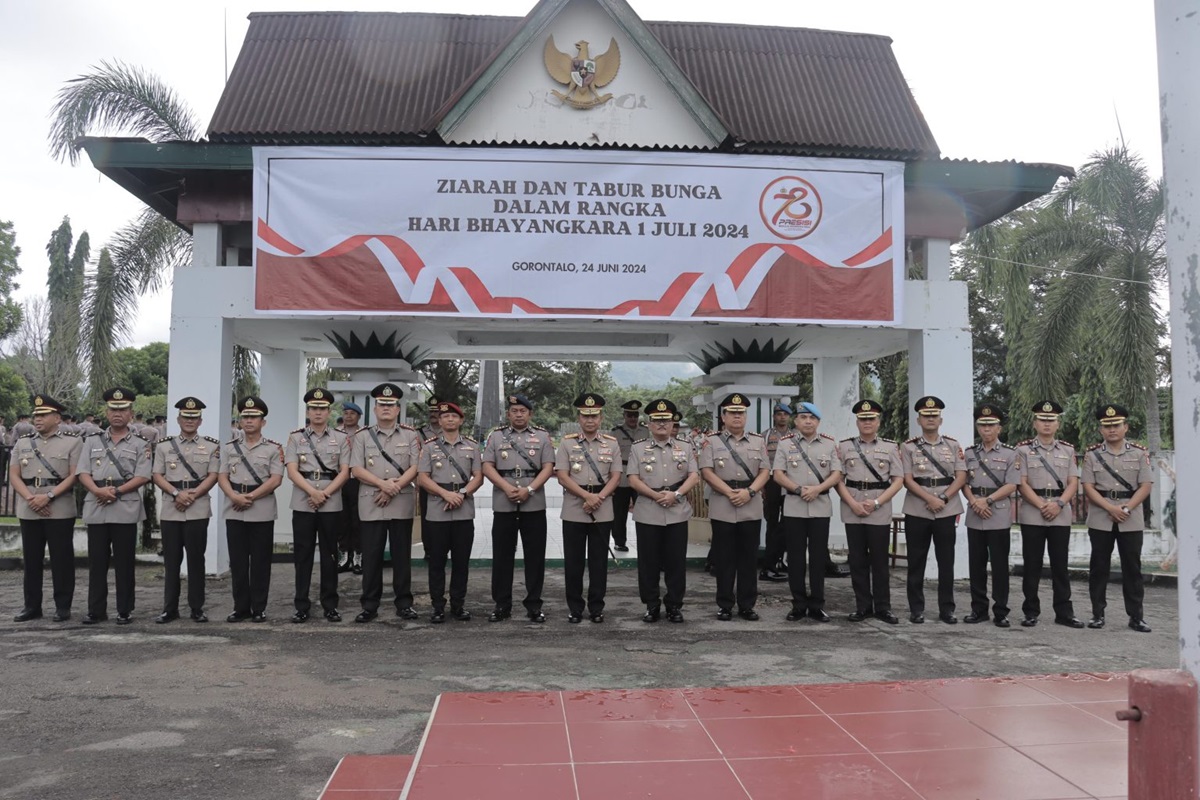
<point>537,427</point>
<point>31,435</point>
<point>913,440</point>
<point>211,439</point>
<point>272,441</point>
<point>1096,446</point>
<point>785,437</point>
<point>950,439</point>
<point>402,426</point>
<point>1137,446</point>
<point>571,436</point>
<point>752,433</point>
<point>469,439</point>
<point>430,440</point>
<point>140,436</point>
<point>298,430</point>
<point>73,433</point>
<point>889,441</point>
<point>639,441</point>
<point>847,439</point>
<point>606,436</point>
<point>826,436</point>
<point>1024,443</point>
<point>498,428</point>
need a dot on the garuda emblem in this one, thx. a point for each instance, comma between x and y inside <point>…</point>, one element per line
<point>582,74</point>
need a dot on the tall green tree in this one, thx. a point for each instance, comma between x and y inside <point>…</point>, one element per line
<point>64,286</point>
<point>10,310</point>
<point>144,369</point>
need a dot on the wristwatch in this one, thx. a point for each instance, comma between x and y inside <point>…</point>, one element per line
<point>942,496</point>
<point>752,492</point>
<point>175,493</point>
<point>678,496</point>
<point>988,500</point>
<point>1060,502</point>
<point>1125,509</point>
<point>50,494</point>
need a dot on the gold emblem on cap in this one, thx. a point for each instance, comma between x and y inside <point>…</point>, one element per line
<point>444,407</point>
<point>662,406</point>
<point>117,395</point>
<point>512,400</point>
<point>929,402</point>
<point>737,399</point>
<point>37,401</point>
<point>249,402</point>
<point>191,403</point>
<point>1047,407</point>
<point>987,412</point>
<point>589,402</point>
<point>866,406</point>
<point>318,394</point>
<point>1110,411</point>
<point>387,391</point>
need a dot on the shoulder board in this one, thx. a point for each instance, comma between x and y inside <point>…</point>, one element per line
<point>639,441</point>
<point>827,436</point>
<point>1096,446</point>
<point>571,436</point>
<point>1024,443</point>
<point>973,446</point>
<point>1004,446</point>
<point>31,435</point>
<point>606,436</point>
<point>537,427</point>
<point>211,439</point>
<point>298,430</point>
<point>848,439</point>
<point>403,427</point>
<point>74,433</point>
<point>889,441</point>
<point>785,437</point>
<point>231,441</point>
<point>140,436</point>
<point>498,428</point>
<point>469,439</point>
<point>1137,446</point>
<point>357,432</point>
<point>913,440</point>
<point>431,439</point>
<point>272,441</point>
<point>950,439</point>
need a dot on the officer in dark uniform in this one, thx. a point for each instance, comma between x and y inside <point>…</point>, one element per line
<point>1117,480</point>
<point>992,478</point>
<point>771,567</point>
<point>42,472</point>
<point>629,431</point>
<point>185,468</point>
<point>349,544</point>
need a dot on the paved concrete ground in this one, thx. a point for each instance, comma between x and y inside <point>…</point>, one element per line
<point>265,711</point>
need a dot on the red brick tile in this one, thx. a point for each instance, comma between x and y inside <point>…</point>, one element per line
<point>1082,688</point>
<point>618,705</point>
<point>694,780</point>
<point>492,782</point>
<point>651,740</point>
<point>1101,768</point>
<point>780,736</point>
<point>499,707</point>
<point>915,730</point>
<point>358,794</point>
<point>997,773</point>
<point>868,698</point>
<point>749,701</point>
<point>371,772</point>
<point>1056,724</point>
<point>514,743</point>
<point>979,693</point>
<point>843,777</point>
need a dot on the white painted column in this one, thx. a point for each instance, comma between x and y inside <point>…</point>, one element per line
<point>835,388</point>
<point>1178,27</point>
<point>283,374</point>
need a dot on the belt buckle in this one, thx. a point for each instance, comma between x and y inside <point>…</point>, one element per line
<point>1112,494</point>
<point>456,486</point>
<point>37,483</point>
<point>518,473</point>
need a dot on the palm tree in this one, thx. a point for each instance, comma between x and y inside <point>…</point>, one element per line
<point>1076,280</point>
<point>118,98</point>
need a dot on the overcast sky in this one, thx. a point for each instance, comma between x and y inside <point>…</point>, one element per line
<point>1043,81</point>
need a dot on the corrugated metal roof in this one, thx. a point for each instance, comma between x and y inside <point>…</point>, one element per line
<point>340,77</point>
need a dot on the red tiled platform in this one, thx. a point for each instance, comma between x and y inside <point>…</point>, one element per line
<point>1042,738</point>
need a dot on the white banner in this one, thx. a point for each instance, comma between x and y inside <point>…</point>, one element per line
<point>552,233</point>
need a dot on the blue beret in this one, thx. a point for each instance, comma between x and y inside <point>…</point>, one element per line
<point>351,406</point>
<point>809,408</point>
<point>782,406</point>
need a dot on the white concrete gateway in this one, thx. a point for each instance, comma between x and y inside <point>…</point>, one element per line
<point>393,178</point>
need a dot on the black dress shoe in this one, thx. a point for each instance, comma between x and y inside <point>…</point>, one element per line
<point>771,575</point>
<point>28,614</point>
<point>750,615</point>
<point>724,615</point>
<point>597,618</point>
<point>917,619</point>
<point>1139,625</point>
<point>198,615</point>
<point>365,616</point>
<point>437,617</point>
<point>651,615</point>
<point>537,617</point>
<point>499,614</point>
<point>621,548</point>
<point>796,616</point>
<point>92,619</point>
<point>237,617</point>
<point>1068,622</point>
<point>575,619</point>
<point>975,619</point>
<point>888,617</point>
<point>258,616</point>
<point>406,613</point>
<point>167,616</point>
<point>460,614</point>
<point>949,619</point>
<point>818,614</point>
<point>300,616</point>
<point>1002,622</point>
<point>1029,622</point>
<point>674,615</point>
<point>124,619</point>
<point>1096,623</point>
<point>856,616</point>
<point>833,570</point>
<point>333,615</point>
<point>62,615</point>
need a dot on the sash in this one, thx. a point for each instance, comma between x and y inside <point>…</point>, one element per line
<point>313,446</point>
<point>457,467</point>
<point>508,443</point>
<point>983,466</point>
<point>1046,464</point>
<point>113,458</point>
<point>929,454</point>
<point>45,463</point>
<point>811,465</point>
<point>587,454</point>
<point>182,460</point>
<point>382,452</point>
<point>242,455</point>
<point>858,449</point>
<point>738,459</point>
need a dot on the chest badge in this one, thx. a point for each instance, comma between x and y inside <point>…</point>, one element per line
<point>576,467</point>
<point>504,454</point>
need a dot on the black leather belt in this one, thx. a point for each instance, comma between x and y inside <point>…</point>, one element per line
<point>37,483</point>
<point>739,484</point>
<point>591,488</point>
<point>184,485</point>
<point>245,488</point>
<point>866,485</point>
<point>1049,494</point>
<point>454,487</point>
<point>798,488</point>
<point>109,482</point>
<point>673,487</point>
<point>934,481</point>
<point>983,491</point>
<point>516,472</point>
<point>319,475</point>
<point>1111,494</point>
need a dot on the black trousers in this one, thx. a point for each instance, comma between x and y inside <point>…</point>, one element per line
<point>1035,541</point>
<point>179,536</point>
<point>622,497</point>
<point>585,542</point>
<point>453,539</point>
<point>806,536</point>
<point>38,535</point>
<point>662,548</point>
<point>376,535</point>
<point>776,544</point>
<point>349,533</point>
<point>531,527</point>
<point>1129,547</point>
<point>116,543</point>
<point>310,531</point>
<point>734,552</point>
<point>918,534</point>
<point>869,576</point>
<point>250,546</point>
<point>983,548</point>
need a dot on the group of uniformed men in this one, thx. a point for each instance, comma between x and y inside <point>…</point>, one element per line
<point>649,473</point>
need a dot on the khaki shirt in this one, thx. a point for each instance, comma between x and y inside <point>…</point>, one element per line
<point>1061,456</point>
<point>1002,461</point>
<point>61,450</point>
<point>915,455</point>
<point>436,461</point>
<point>715,455</point>
<point>133,453</point>
<point>884,456</point>
<point>822,451</point>
<point>203,453</point>
<point>266,456</point>
<point>334,450</point>
<point>507,449</point>
<point>1132,464</point>
<point>625,438</point>
<point>662,465</point>
<point>570,458</point>
<point>403,445</point>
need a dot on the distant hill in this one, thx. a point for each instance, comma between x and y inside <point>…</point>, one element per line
<point>651,374</point>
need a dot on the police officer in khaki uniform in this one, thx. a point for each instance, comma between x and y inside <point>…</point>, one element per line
<point>588,465</point>
<point>734,464</point>
<point>934,473</point>
<point>317,459</point>
<point>251,470</point>
<point>384,459</point>
<point>1117,481</point>
<point>629,431</point>
<point>992,478</point>
<point>349,540</point>
<point>662,469</point>
<point>1049,480</point>
<point>185,468</point>
<point>806,467</point>
<point>42,474</point>
<point>113,466</point>
<point>771,567</point>
<point>429,430</point>
<point>518,458</point>
<point>451,472</point>
<point>874,474</point>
